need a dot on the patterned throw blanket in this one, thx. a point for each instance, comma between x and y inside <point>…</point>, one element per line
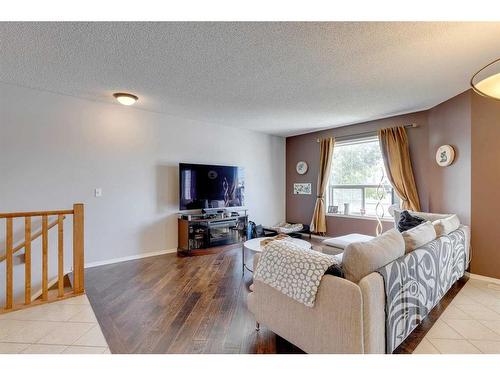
<point>416,282</point>
<point>294,271</point>
<point>287,228</point>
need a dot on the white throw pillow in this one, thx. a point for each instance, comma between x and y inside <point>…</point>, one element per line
<point>362,258</point>
<point>419,236</point>
<point>446,225</point>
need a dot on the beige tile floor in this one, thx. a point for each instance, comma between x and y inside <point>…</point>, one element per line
<point>469,325</point>
<point>67,326</point>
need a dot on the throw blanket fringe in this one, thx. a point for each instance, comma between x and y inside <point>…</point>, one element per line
<point>292,270</point>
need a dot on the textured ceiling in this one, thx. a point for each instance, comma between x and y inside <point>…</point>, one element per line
<point>279,78</point>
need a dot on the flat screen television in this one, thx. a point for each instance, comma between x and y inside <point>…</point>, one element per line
<point>210,186</point>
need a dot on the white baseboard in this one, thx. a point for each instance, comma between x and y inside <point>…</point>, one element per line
<point>483,278</point>
<point>130,257</point>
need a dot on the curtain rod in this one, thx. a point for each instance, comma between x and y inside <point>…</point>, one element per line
<point>412,125</point>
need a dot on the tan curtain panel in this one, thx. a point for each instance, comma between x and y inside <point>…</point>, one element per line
<point>396,154</point>
<point>318,222</point>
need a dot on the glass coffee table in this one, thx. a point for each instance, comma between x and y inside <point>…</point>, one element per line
<point>254,245</point>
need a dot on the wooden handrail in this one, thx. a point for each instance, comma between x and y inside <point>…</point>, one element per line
<point>5,215</point>
<point>78,286</point>
<point>9,266</point>
<point>78,246</point>
<point>33,237</point>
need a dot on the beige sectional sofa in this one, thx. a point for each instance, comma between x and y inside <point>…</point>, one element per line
<point>349,313</point>
<point>347,317</point>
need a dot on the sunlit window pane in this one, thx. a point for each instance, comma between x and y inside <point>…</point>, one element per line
<point>357,171</point>
<point>352,196</point>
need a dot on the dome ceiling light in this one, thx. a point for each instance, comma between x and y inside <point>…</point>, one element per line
<point>125,98</point>
<point>486,81</point>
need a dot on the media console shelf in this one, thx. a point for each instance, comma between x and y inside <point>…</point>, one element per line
<point>201,232</point>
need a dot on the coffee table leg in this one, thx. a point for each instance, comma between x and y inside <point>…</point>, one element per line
<point>243,264</point>
<point>243,259</point>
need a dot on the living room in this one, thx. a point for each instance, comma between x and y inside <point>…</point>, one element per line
<point>249,187</point>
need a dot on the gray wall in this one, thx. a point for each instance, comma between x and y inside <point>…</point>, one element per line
<point>54,150</point>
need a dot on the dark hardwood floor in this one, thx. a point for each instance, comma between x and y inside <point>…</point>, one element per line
<point>171,304</point>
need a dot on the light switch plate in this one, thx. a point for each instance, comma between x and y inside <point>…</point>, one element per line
<point>97,192</point>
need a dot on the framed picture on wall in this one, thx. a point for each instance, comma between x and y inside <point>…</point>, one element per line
<point>302,188</point>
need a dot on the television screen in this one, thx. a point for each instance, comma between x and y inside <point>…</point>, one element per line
<point>210,186</point>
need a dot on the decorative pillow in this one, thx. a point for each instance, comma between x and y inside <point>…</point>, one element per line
<point>446,225</point>
<point>335,270</point>
<point>427,216</point>
<point>408,221</point>
<point>419,236</point>
<point>362,258</point>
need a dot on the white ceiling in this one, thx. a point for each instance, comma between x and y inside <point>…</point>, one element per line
<point>279,78</point>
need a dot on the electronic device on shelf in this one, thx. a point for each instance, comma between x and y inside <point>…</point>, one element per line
<point>212,211</point>
<point>197,232</point>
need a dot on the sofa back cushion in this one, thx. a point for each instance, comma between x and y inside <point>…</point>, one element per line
<point>362,258</point>
<point>419,236</point>
<point>446,225</point>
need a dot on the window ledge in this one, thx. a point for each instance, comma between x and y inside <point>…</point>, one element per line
<point>362,217</point>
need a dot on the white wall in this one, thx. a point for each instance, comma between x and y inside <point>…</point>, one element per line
<point>54,150</point>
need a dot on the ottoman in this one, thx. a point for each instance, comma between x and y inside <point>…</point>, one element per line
<point>337,245</point>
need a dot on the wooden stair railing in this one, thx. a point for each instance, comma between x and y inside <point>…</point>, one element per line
<point>78,255</point>
<point>34,236</point>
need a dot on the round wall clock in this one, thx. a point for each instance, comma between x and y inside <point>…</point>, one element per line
<point>301,167</point>
<point>445,155</point>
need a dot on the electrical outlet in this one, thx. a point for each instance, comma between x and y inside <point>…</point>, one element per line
<point>97,192</point>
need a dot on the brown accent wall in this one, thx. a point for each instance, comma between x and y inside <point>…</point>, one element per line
<point>469,187</point>
<point>485,193</point>
<point>299,208</point>
<point>450,187</point>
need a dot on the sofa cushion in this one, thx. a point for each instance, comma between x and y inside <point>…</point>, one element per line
<point>342,241</point>
<point>446,225</point>
<point>362,258</point>
<point>408,221</point>
<point>418,236</point>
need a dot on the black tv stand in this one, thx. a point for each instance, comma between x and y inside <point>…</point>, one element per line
<point>201,232</point>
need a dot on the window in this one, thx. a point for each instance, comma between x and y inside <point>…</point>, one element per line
<point>357,170</point>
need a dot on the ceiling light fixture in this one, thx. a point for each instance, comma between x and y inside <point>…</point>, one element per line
<point>486,81</point>
<point>125,98</point>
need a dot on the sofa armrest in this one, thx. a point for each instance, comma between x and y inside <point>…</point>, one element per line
<point>333,325</point>
<point>373,292</point>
